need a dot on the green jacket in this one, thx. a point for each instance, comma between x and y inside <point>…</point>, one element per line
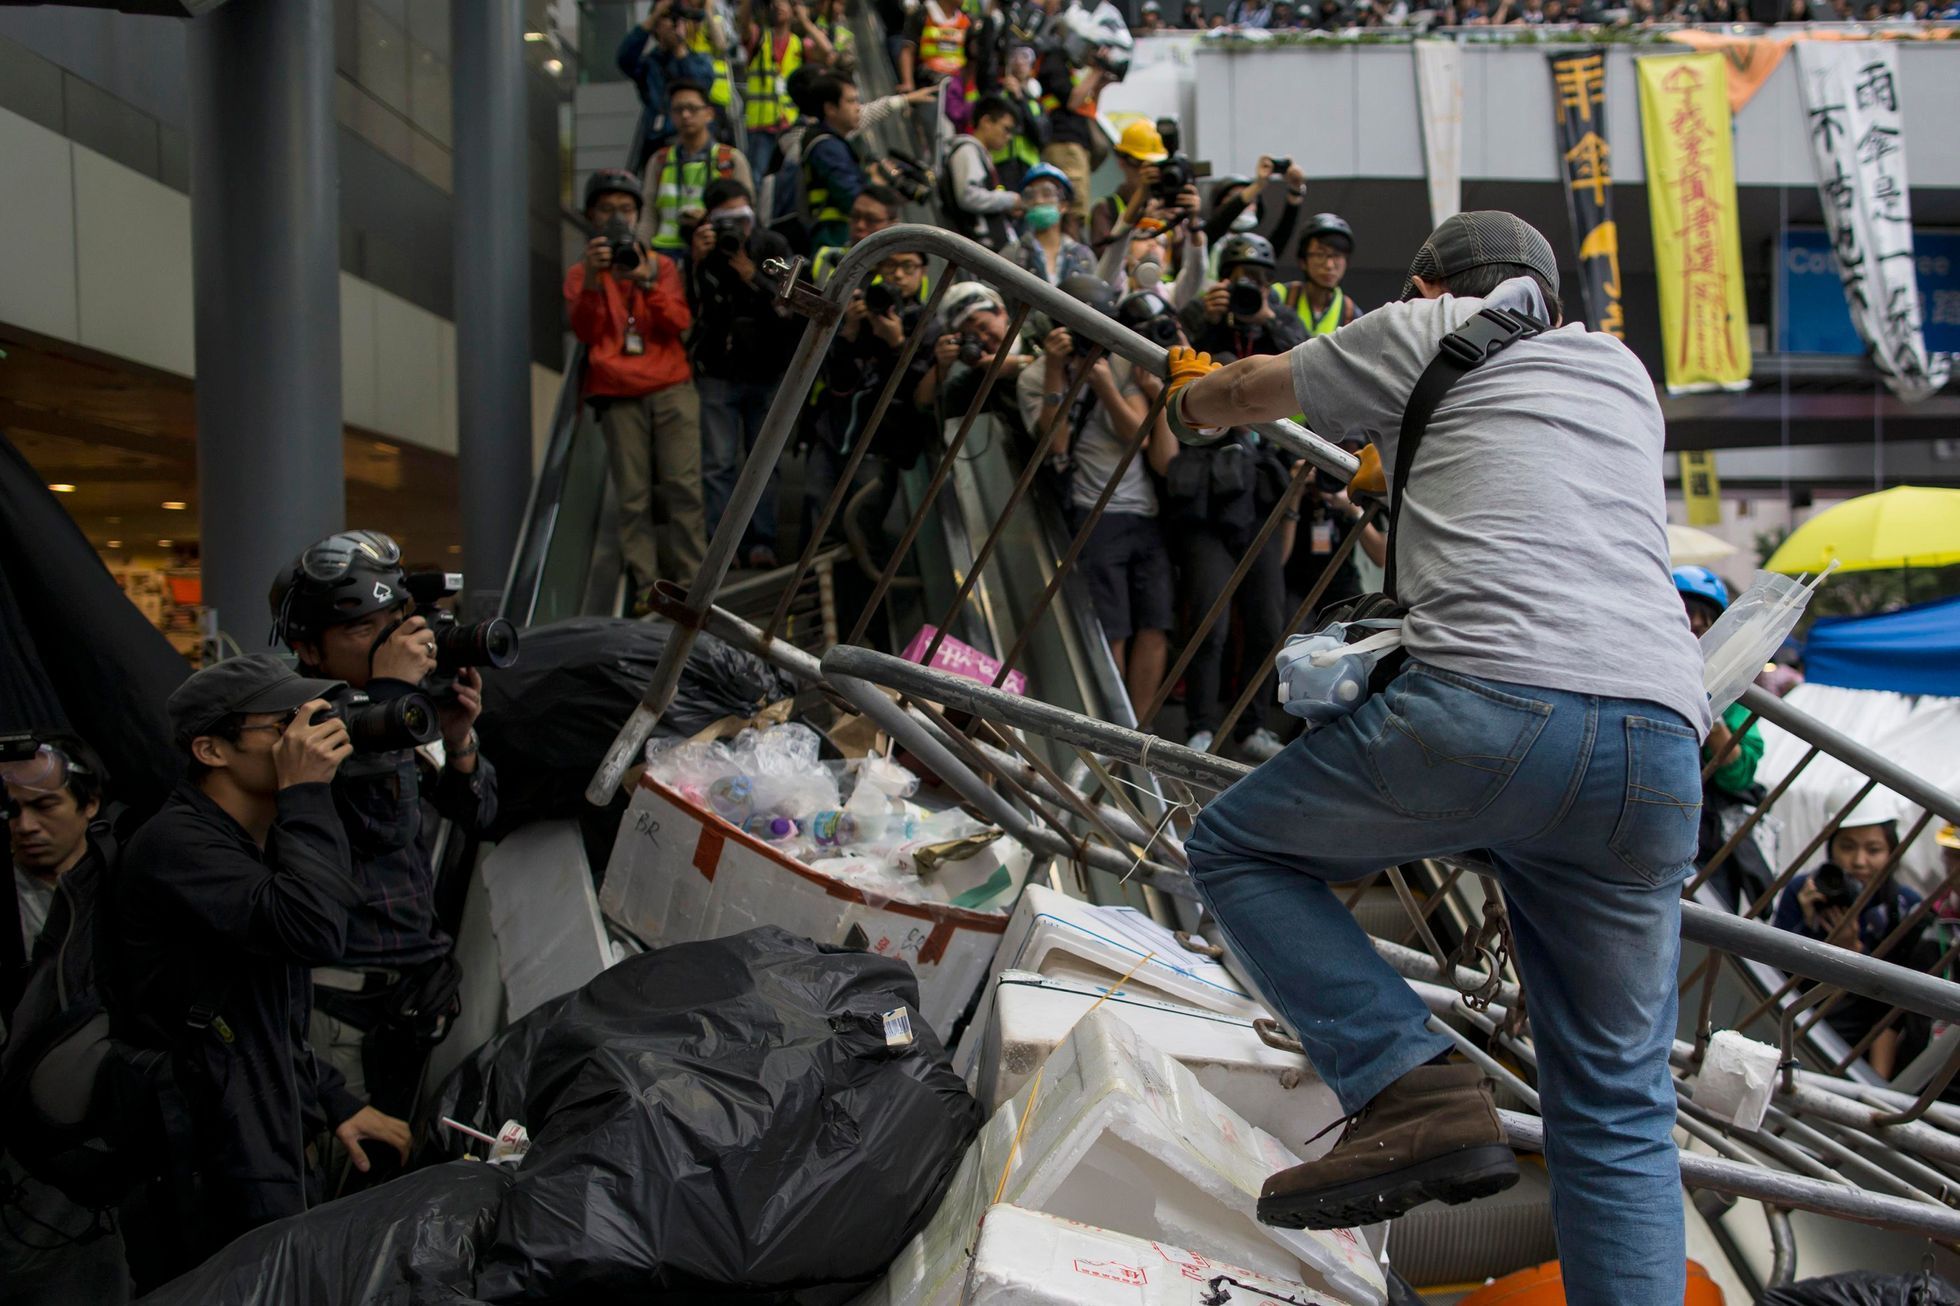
<point>1735,776</point>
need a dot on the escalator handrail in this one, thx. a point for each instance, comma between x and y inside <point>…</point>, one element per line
<point>520,601</point>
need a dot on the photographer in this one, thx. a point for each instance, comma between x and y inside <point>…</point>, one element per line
<point>52,798</point>
<point>1240,314</point>
<point>1068,104</point>
<point>344,607</point>
<point>654,56</point>
<point>773,44</point>
<point>678,173</point>
<point>1138,154</point>
<point>741,347</point>
<point>1044,247</point>
<point>1319,301</point>
<point>1326,517</point>
<point>224,901</point>
<point>1124,563</point>
<point>1239,203</point>
<point>1818,905</point>
<point>976,205</point>
<point>935,44</point>
<point>876,324</point>
<point>628,308</point>
<point>970,333</point>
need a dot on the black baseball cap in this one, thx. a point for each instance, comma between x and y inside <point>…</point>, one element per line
<point>1474,240</point>
<point>257,682</point>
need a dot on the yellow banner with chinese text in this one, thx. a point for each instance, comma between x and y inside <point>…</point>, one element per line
<point>1701,488</point>
<point>1684,120</point>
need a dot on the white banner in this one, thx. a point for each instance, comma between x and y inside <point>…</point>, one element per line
<point>1857,142</point>
<point>1439,96</point>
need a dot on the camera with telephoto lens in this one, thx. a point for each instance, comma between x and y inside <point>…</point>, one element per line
<point>728,236</point>
<point>459,644</point>
<point>1161,330</point>
<point>1247,299</point>
<point>1835,886</point>
<point>390,726</point>
<point>972,349</point>
<point>1174,175</point>
<point>619,240</point>
<point>880,299</point>
<point>1281,163</point>
<point>909,177</point>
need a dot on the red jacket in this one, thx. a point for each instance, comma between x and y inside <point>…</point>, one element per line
<point>599,320</point>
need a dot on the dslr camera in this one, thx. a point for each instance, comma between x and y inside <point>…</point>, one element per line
<point>459,644</point>
<point>972,349</point>
<point>728,237</point>
<point>393,726</point>
<point>689,13</point>
<point>880,299</point>
<point>909,177</point>
<point>1176,173</point>
<point>619,239</point>
<point>1838,889</point>
<point>1247,299</point>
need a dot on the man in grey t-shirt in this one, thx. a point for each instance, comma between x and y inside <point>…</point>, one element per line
<point>1548,720</point>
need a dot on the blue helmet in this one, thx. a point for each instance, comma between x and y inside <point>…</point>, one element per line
<point>1049,172</point>
<point>1701,583</point>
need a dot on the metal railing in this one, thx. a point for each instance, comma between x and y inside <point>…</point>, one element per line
<point>1858,1150</point>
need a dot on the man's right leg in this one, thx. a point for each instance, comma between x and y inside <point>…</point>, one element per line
<point>721,445</point>
<point>629,448</point>
<point>682,532</point>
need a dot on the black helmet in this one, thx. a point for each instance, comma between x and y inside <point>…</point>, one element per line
<point>1331,227</point>
<point>1091,290</point>
<point>1150,315</point>
<point>613,181</point>
<point>341,579</point>
<point>1245,247</point>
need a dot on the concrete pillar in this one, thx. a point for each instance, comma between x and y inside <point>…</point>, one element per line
<point>265,235</point>
<point>493,374</point>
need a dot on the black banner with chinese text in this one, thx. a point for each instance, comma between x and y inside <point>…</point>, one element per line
<point>1579,104</point>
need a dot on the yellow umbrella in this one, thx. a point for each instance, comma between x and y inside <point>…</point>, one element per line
<point>1688,547</point>
<point>1907,526</point>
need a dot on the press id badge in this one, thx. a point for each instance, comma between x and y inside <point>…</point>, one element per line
<point>1323,537</point>
<point>634,344</point>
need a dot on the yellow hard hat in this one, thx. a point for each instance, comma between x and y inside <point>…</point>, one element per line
<point>1948,837</point>
<point>1141,142</point>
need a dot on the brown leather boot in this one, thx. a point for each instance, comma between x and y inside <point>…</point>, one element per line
<point>1432,1134</point>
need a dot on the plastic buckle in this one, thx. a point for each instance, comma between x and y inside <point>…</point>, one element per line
<point>1483,335</point>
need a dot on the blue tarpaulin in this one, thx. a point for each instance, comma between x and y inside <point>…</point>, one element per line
<point>1915,650</point>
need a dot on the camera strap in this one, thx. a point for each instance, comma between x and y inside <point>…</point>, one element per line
<point>1470,345</point>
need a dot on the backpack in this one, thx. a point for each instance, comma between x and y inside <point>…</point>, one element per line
<point>83,1110</point>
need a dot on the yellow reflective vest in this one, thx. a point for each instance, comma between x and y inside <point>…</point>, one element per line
<point>768,108</point>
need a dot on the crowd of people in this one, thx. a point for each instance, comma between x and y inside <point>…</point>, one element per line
<point>1363,15</point>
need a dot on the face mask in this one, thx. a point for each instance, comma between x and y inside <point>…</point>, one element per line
<point>1246,221</point>
<point>1043,216</point>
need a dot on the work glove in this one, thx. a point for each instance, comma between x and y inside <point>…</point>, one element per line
<point>1368,475</point>
<point>1187,365</point>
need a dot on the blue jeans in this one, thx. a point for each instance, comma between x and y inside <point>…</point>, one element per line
<point>731,418</point>
<point>1589,809</point>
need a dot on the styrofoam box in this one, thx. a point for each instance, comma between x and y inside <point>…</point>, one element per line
<point>679,873</point>
<point>1277,1091</point>
<point>1062,937</point>
<point>1119,1136</point>
<point>1027,1258</point>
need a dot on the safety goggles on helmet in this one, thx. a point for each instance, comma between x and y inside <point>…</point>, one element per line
<point>332,558</point>
<point>46,771</point>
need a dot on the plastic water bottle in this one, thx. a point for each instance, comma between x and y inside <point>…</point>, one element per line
<point>771,829</point>
<point>733,798</point>
<point>835,829</point>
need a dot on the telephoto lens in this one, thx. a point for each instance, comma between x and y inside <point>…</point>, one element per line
<point>1247,298</point>
<point>619,238</point>
<point>491,643</point>
<point>1835,885</point>
<point>385,727</point>
<point>879,299</point>
<point>971,350</point>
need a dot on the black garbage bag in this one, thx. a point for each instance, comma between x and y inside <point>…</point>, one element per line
<point>722,1120</point>
<point>1866,1288</point>
<point>413,1241</point>
<point>548,719</point>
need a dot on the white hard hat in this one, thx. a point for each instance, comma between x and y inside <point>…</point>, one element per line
<point>1879,807</point>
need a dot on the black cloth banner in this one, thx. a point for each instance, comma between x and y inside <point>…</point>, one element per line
<point>1579,105</point>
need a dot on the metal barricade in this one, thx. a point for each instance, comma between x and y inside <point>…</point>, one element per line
<point>1847,1146</point>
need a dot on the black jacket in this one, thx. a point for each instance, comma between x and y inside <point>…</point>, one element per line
<point>738,334</point>
<point>855,373</point>
<point>379,798</point>
<point>1230,337</point>
<point>219,939</point>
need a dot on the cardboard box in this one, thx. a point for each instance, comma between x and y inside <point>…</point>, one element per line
<point>679,873</point>
<point>1027,1258</point>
